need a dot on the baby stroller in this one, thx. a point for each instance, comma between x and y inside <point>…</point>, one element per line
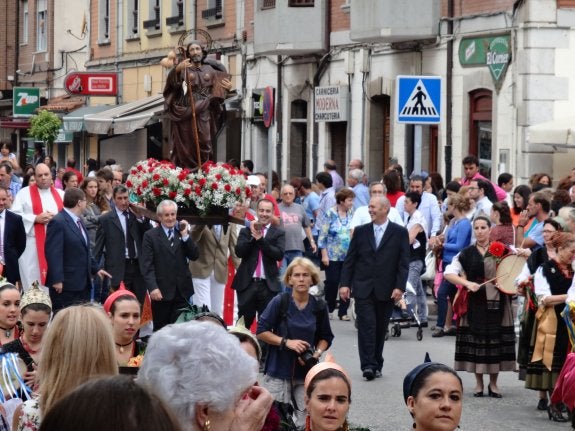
<point>404,315</point>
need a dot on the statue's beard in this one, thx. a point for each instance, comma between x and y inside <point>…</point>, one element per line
<point>196,58</point>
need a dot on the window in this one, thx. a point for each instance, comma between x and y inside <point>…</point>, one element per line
<point>214,11</point>
<point>133,16</point>
<point>155,13</point>
<point>267,4</point>
<point>25,28</point>
<point>301,3</point>
<point>41,25</point>
<point>104,21</point>
<point>177,15</point>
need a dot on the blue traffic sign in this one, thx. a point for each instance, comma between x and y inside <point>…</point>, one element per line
<point>418,99</point>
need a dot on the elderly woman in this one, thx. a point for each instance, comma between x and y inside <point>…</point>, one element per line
<point>296,327</point>
<point>201,373</point>
<point>433,393</point>
<point>333,241</point>
<point>485,339</point>
<point>327,397</point>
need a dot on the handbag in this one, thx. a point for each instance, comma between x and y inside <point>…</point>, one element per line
<point>429,273</point>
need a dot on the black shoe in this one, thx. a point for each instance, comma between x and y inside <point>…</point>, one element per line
<point>438,333</point>
<point>368,374</point>
<point>493,394</point>
<point>542,404</point>
<point>377,374</point>
<point>478,394</point>
<point>424,324</point>
<point>555,414</point>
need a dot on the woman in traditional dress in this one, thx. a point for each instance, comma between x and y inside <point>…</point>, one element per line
<point>524,282</point>
<point>549,340</point>
<point>485,341</point>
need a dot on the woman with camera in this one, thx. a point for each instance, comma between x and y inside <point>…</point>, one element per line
<point>296,327</point>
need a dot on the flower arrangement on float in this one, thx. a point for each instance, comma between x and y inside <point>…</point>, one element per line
<point>213,188</point>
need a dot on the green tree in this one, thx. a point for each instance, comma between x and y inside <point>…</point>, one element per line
<point>45,126</point>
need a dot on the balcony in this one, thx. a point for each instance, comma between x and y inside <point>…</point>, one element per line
<point>288,27</point>
<point>394,21</point>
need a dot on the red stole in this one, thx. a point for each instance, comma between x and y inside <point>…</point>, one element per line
<point>40,229</point>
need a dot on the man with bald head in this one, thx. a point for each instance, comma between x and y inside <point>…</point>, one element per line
<point>376,268</point>
<point>36,204</point>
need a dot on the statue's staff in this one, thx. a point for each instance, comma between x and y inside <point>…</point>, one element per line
<point>194,122</point>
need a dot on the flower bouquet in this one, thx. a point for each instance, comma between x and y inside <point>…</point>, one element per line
<point>211,191</point>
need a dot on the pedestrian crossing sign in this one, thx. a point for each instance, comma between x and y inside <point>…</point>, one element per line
<point>418,99</point>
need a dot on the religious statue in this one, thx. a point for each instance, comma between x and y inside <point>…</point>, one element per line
<point>193,95</point>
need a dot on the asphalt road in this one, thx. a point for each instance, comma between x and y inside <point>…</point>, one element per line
<point>378,405</point>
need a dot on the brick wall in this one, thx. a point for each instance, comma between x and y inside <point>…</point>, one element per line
<point>225,31</point>
<point>471,7</point>
<point>102,50</point>
<point>339,18</point>
<point>8,43</point>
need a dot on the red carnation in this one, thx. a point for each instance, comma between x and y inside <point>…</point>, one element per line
<point>172,195</point>
<point>497,249</point>
<point>187,192</point>
<point>182,176</point>
<point>198,191</point>
<point>140,168</point>
<point>165,182</point>
<point>227,188</point>
<point>156,177</point>
<point>133,171</point>
<point>218,177</point>
<point>191,182</point>
<point>214,186</point>
<point>238,191</point>
<point>145,183</point>
<point>129,184</point>
<point>202,182</point>
<point>156,191</point>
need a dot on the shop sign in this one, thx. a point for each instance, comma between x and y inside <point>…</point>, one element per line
<point>91,84</point>
<point>26,101</point>
<point>493,52</point>
<point>330,103</point>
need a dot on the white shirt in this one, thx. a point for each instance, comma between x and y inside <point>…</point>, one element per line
<point>361,216</point>
<point>429,207</point>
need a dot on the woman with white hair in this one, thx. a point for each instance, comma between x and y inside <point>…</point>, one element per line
<point>203,374</point>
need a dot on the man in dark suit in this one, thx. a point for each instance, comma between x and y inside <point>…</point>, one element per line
<point>375,268</point>
<point>12,239</point>
<point>119,239</point>
<point>260,246</point>
<point>164,265</point>
<point>70,262</point>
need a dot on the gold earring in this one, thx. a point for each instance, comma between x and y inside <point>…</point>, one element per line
<point>207,426</point>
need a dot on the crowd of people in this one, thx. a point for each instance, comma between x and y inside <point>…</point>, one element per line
<point>67,241</point>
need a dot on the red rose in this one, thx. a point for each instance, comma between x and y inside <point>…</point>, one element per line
<point>187,192</point>
<point>191,182</point>
<point>497,249</point>
<point>182,176</point>
<point>156,177</point>
<point>218,177</point>
<point>202,182</point>
<point>238,191</point>
<point>227,188</point>
<point>129,184</point>
<point>165,182</point>
<point>172,195</point>
<point>145,183</point>
<point>214,186</point>
<point>198,191</point>
<point>156,191</point>
<point>140,168</point>
<point>133,171</point>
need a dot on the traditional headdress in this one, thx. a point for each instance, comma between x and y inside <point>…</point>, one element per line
<point>412,375</point>
<point>122,291</point>
<point>325,365</point>
<point>35,295</point>
<point>241,329</point>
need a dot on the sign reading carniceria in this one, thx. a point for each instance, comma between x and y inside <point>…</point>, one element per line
<point>330,103</point>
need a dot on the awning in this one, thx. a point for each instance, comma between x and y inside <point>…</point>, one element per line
<point>558,133</point>
<point>125,118</point>
<point>14,123</point>
<point>74,121</point>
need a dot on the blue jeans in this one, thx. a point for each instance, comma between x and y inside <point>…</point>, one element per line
<point>446,290</point>
<point>289,256</point>
<point>332,279</point>
<point>420,298</point>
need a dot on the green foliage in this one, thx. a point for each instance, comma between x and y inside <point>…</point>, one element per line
<point>45,126</point>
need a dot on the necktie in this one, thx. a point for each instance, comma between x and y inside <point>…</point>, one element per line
<point>129,239</point>
<point>79,223</point>
<point>378,235</point>
<point>259,267</point>
<point>171,236</point>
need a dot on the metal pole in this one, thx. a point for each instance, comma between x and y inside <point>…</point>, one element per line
<point>417,138</point>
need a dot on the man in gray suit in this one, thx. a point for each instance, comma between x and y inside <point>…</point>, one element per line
<point>375,269</point>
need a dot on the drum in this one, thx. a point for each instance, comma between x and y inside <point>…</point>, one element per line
<point>507,270</point>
